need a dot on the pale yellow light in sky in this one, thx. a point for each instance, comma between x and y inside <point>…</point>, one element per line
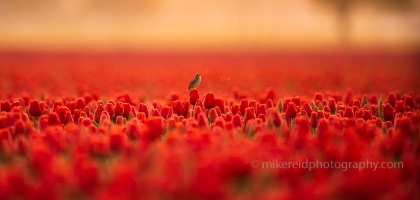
<point>196,24</point>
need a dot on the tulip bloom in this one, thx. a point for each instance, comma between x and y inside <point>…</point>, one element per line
<point>357,103</point>
<point>243,105</point>
<point>332,105</point>
<point>126,110</point>
<point>348,112</point>
<point>273,118</point>
<point>119,109</point>
<point>202,120</point>
<point>249,114</point>
<point>269,104</point>
<point>80,104</point>
<point>166,112</point>
<point>209,101</point>
<point>62,114</point>
<point>409,101</point>
<point>392,99</point>
<point>253,104</point>
<point>387,112</point>
<point>307,108</point>
<point>34,109</point>
<point>110,109</point>
<point>261,109</point>
<point>194,96</point>
<point>318,96</point>
<point>221,104</point>
<point>234,109</point>
<point>143,108</point>
<point>296,100</point>
<point>5,106</point>
<point>237,121</point>
<point>212,115</point>
<point>399,106</point>
<point>53,119</point>
<point>314,120</point>
<point>291,110</point>
<point>178,108</point>
<point>155,113</point>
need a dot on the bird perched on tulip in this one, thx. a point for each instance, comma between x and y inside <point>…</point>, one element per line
<point>195,82</point>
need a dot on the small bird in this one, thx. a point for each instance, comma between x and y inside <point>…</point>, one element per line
<point>195,82</point>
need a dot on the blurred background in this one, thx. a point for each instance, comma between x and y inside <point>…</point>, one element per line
<point>152,48</point>
<point>208,25</point>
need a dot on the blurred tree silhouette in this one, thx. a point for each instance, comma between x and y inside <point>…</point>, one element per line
<point>343,10</point>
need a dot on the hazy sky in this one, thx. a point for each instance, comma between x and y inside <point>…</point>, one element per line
<point>190,24</point>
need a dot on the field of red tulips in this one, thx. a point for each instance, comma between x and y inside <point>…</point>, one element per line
<point>326,125</point>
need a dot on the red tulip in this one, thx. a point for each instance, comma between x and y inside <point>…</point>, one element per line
<point>270,94</point>
<point>166,112</point>
<point>56,104</point>
<point>141,116</point>
<point>229,116</point>
<point>110,109</point>
<point>314,120</point>
<point>387,112</point>
<point>237,121</point>
<point>178,108</point>
<point>143,108</point>
<point>197,110</point>
<point>269,104</point>
<point>209,101</point>
<point>234,109</point>
<point>194,96</point>
<point>155,127</point>
<point>409,101</point>
<point>327,109</point>
<point>199,104</point>
<point>357,103</point>
<point>253,104</point>
<point>62,113</point>
<point>126,110</point>
<point>212,115</point>
<point>34,109</point>
<point>119,108</point>
<point>155,113</point>
<point>367,115</point>
<point>244,104</point>
<point>307,108</point>
<point>5,106</point>
<point>80,104</point>
<point>296,100</point>
<point>219,121</point>
<point>71,106</point>
<point>116,141</point>
<point>321,114</point>
<point>399,106</point>
<point>249,114</point>
<point>392,98</point>
<point>291,110</point>
<point>221,104</point>
<point>373,99</point>
<point>318,96</point>
<point>53,119</point>
<point>263,117</point>
<point>273,118</point>
<point>261,109</point>
<point>202,120</point>
<point>186,106</point>
<point>332,105</point>
<point>348,112</point>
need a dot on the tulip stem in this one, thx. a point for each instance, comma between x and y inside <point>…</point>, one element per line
<point>35,126</point>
